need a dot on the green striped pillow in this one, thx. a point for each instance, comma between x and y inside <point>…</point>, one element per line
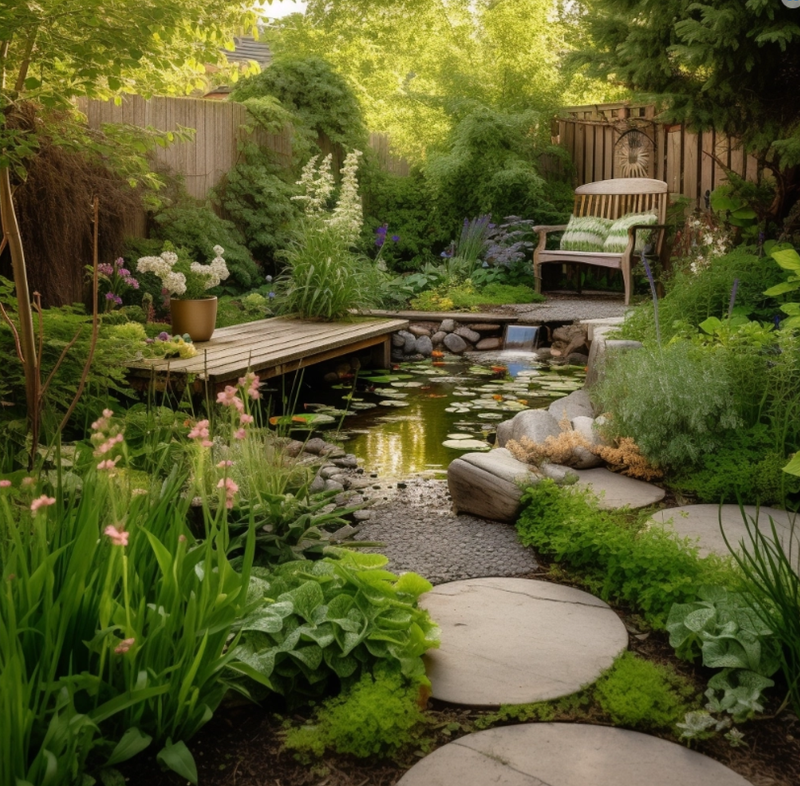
<point>617,240</point>
<point>585,233</point>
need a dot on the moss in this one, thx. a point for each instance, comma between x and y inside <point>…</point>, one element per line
<point>640,694</point>
<point>377,717</point>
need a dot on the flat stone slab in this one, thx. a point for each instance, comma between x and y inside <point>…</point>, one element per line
<point>567,754</point>
<point>618,491</point>
<point>702,522</point>
<point>489,485</point>
<point>515,641</point>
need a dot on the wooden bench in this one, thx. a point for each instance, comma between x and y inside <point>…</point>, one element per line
<point>608,199</point>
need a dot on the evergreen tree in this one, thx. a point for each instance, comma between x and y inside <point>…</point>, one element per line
<point>730,65</point>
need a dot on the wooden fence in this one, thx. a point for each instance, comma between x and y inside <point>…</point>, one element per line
<point>626,140</point>
<point>219,130</point>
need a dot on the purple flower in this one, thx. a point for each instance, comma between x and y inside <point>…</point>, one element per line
<point>163,336</point>
<point>105,269</point>
<point>380,235</point>
<point>271,295</point>
<point>395,238</point>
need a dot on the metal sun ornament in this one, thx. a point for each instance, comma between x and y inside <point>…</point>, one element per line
<point>633,154</point>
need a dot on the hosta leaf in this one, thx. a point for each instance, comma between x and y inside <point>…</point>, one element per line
<point>305,598</point>
<point>310,657</point>
<point>413,584</point>
<point>699,619</point>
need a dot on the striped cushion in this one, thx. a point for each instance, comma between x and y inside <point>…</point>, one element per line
<point>585,233</point>
<point>617,240</point>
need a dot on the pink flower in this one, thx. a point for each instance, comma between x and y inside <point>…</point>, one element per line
<point>245,420</point>
<point>124,646</point>
<point>4,484</point>
<point>230,489</point>
<point>119,537</point>
<point>42,502</point>
<point>207,443</point>
<point>224,464</point>
<point>107,413</point>
<point>252,383</point>
<point>239,434</point>
<point>200,431</point>
<point>108,464</point>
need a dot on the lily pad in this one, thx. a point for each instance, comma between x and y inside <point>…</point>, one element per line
<point>457,410</point>
<point>491,416</point>
<point>392,403</point>
<point>382,378</point>
<point>466,444</point>
<point>363,405</point>
<point>302,420</point>
<point>459,436</point>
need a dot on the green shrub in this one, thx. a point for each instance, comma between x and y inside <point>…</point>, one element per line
<point>640,694</point>
<point>489,164</point>
<point>319,99</point>
<point>676,402</point>
<point>647,569</point>
<point>326,280</point>
<point>693,297</point>
<point>257,196</point>
<point>116,344</point>
<point>198,229</point>
<point>332,620</point>
<point>405,204</point>
<point>744,467</point>
<point>377,717</point>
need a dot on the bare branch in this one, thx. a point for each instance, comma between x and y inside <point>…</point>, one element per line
<point>95,322</point>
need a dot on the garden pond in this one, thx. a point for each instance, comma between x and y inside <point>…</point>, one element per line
<point>419,416</point>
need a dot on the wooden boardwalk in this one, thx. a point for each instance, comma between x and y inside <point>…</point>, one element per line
<point>272,347</point>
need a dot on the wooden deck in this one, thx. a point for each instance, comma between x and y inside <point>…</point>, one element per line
<point>437,316</point>
<point>272,347</point>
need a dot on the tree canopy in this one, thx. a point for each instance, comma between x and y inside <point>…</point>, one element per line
<point>733,66</point>
<point>418,66</point>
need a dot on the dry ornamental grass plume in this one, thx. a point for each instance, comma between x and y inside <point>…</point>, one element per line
<point>625,457</point>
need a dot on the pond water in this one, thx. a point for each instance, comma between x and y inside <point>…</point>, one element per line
<point>419,416</point>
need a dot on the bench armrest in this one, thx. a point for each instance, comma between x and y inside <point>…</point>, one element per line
<point>553,228</point>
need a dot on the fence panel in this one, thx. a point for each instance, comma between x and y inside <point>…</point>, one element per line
<point>691,163</point>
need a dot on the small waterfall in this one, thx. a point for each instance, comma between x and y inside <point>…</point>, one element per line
<point>521,337</point>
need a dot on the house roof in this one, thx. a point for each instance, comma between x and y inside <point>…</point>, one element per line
<point>247,49</point>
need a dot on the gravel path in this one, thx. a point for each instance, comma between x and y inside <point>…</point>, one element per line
<point>421,533</point>
<point>563,308</point>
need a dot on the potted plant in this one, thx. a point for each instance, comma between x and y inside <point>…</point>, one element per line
<point>193,311</point>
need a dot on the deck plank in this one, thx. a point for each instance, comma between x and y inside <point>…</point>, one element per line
<point>273,346</point>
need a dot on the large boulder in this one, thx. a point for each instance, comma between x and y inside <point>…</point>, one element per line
<point>489,344</point>
<point>438,337</point>
<point>455,343</point>
<point>468,335</point>
<point>423,346</point>
<point>601,349</point>
<point>576,404</point>
<point>489,485</point>
<point>535,424</point>
<point>583,458</point>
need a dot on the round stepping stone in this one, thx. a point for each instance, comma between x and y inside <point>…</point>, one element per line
<point>618,491</point>
<point>515,641</point>
<point>702,522</point>
<point>567,754</point>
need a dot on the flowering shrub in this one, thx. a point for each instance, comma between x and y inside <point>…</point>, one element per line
<point>118,278</point>
<point>182,277</point>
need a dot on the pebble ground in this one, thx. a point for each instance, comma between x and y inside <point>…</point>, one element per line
<point>420,533</point>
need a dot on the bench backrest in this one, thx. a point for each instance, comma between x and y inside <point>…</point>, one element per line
<point>616,198</point>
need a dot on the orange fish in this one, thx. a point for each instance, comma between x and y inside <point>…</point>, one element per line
<point>437,364</point>
<point>437,354</point>
<point>499,369</point>
<point>497,397</point>
<point>522,400</point>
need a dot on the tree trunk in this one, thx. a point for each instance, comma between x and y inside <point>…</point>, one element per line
<point>8,217</point>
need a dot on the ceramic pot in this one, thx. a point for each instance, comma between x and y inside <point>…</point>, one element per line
<point>195,317</point>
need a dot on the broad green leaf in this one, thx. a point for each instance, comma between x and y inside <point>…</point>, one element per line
<point>177,757</point>
<point>793,467</point>
<point>132,742</point>
<point>788,259</point>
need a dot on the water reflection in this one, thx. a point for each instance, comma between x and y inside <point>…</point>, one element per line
<point>408,440</point>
